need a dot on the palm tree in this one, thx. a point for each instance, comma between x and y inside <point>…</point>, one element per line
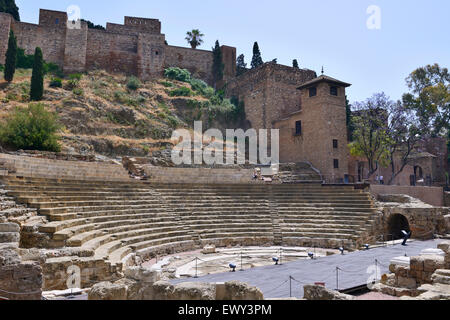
<point>194,38</point>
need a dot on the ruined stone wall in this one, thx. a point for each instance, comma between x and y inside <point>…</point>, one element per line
<point>51,39</point>
<point>111,52</point>
<point>269,92</point>
<point>151,55</point>
<point>152,26</point>
<point>19,280</point>
<point>75,49</point>
<point>198,62</point>
<point>430,195</point>
<point>135,48</point>
<point>50,18</point>
<point>425,223</point>
<point>229,61</point>
<point>199,175</point>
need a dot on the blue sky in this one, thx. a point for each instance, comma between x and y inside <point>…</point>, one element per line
<point>321,32</point>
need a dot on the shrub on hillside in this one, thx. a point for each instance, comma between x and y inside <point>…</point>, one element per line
<point>24,61</point>
<point>181,92</point>
<point>133,83</point>
<point>178,74</point>
<point>75,76</point>
<point>78,91</point>
<point>56,83</point>
<point>31,128</point>
<point>167,84</point>
<point>53,69</point>
<point>198,85</point>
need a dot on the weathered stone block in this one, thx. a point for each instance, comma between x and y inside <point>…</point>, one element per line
<point>235,290</point>
<point>9,227</point>
<point>142,274</point>
<point>160,290</point>
<point>444,246</point>
<point>9,237</point>
<point>108,291</point>
<point>433,262</point>
<point>313,292</point>
<point>417,263</point>
<point>405,282</point>
<point>194,291</point>
<point>209,249</point>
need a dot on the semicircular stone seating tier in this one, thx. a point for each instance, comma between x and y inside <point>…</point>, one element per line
<point>115,219</point>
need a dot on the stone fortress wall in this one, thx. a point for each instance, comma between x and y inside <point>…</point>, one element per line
<point>270,92</point>
<point>137,47</point>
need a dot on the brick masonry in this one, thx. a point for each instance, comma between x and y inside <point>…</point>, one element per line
<point>273,101</point>
<point>137,47</point>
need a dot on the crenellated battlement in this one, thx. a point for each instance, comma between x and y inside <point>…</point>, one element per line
<point>136,47</point>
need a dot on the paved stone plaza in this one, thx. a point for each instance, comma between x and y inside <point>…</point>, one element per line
<point>274,280</point>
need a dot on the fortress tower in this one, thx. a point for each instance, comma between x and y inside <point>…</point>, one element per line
<point>318,131</point>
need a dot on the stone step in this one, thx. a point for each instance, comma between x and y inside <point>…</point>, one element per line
<point>231,227</point>
<point>323,225</point>
<point>318,235</point>
<point>441,276</point>
<point>79,239</point>
<point>319,230</point>
<point>103,216</point>
<point>110,226</point>
<point>105,249</point>
<point>95,203</point>
<point>216,221</point>
<point>76,210</point>
<point>235,234</point>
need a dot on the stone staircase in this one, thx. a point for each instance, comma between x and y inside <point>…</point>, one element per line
<point>113,221</point>
<point>323,216</point>
<point>301,172</point>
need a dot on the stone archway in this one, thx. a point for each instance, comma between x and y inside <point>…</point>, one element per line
<point>395,224</point>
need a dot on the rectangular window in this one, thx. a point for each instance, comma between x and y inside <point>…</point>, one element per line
<point>335,144</point>
<point>334,91</point>
<point>336,163</point>
<point>313,92</point>
<point>298,128</point>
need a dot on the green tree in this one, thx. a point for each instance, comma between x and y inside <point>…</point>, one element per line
<point>429,98</point>
<point>9,6</point>
<point>295,64</point>
<point>256,60</point>
<point>11,57</point>
<point>31,128</point>
<point>241,66</point>
<point>370,137</point>
<point>37,77</point>
<point>385,133</point>
<point>448,156</point>
<point>194,38</point>
<point>218,65</point>
<point>349,120</point>
<point>91,25</point>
